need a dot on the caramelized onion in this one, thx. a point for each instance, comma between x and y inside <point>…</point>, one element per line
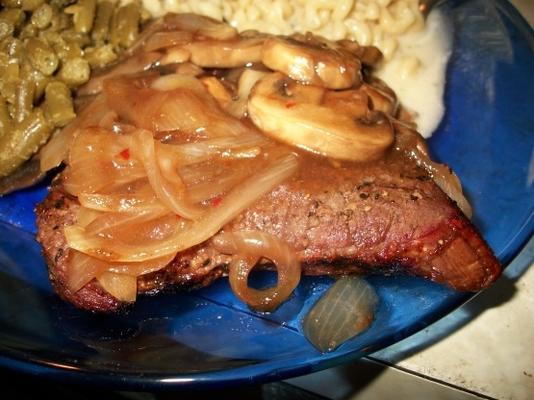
<point>57,149</point>
<point>226,146</point>
<point>199,25</point>
<point>171,194</point>
<point>277,170</point>
<point>122,287</point>
<point>82,268</point>
<point>140,62</point>
<point>133,199</point>
<point>160,40</point>
<point>414,146</point>
<point>97,161</point>
<point>172,103</point>
<point>250,246</point>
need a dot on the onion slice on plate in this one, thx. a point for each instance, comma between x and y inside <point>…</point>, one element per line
<point>344,311</point>
<point>250,246</point>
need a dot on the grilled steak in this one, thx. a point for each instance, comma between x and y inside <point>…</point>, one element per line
<point>387,217</point>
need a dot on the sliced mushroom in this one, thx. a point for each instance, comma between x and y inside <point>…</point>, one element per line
<point>381,98</point>
<point>304,116</point>
<point>225,53</point>
<point>310,61</point>
<point>368,55</point>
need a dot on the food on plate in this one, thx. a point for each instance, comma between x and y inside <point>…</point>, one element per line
<point>47,50</point>
<point>415,48</point>
<point>179,174</point>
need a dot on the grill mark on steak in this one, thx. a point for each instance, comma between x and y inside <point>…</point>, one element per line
<point>373,218</point>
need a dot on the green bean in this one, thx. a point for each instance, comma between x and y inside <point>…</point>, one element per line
<point>82,39</point>
<point>5,119</point>
<point>10,79</point>
<point>74,72</point>
<point>67,49</point>
<point>15,15</point>
<point>40,82</point>
<point>13,47</point>
<point>104,13</point>
<point>6,28</point>
<point>28,31</point>
<point>23,100</point>
<point>42,16</point>
<point>42,56</point>
<point>100,56</point>
<point>47,48</point>
<point>31,5</point>
<point>58,104</point>
<point>83,15</point>
<point>125,25</point>
<point>11,3</point>
<point>25,139</point>
<point>60,20</point>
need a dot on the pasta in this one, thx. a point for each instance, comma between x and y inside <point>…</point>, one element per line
<point>369,22</point>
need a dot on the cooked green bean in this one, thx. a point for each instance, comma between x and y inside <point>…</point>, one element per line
<point>60,20</point>
<point>74,71</point>
<point>42,56</point>
<point>104,13</point>
<point>6,28</point>
<point>5,119</point>
<point>28,31</point>
<point>31,5</point>
<point>40,82</point>
<point>125,25</point>
<point>99,57</point>
<point>70,35</point>
<point>47,49</point>
<point>83,15</point>
<point>58,105</point>
<point>15,15</point>
<point>42,16</point>
<point>10,80</point>
<point>25,139</point>
<point>23,100</point>
<point>11,3</point>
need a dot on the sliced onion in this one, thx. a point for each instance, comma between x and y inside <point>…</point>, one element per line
<point>82,268</point>
<point>344,311</point>
<point>85,216</point>
<point>131,65</point>
<point>241,197</point>
<point>200,26</point>
<point>414,146</point>
<point>247,80</point>
<point>173,195</point>
<point>249,247</point>
<point>160,40</point>
<point>57,149</point>
<point>174,103</point>
<point>122,287</point>
<point>137,199</point>
<point>210,189</point>
<point>95,162</point>
<point>114,225</point>
<point>227,146</point>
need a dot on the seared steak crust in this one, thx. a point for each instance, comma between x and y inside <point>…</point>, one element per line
<point>387,217</point>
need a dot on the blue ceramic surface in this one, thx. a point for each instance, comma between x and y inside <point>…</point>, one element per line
<point>208,338</point>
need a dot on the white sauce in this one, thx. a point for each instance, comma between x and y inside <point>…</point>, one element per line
<point>417,72</point>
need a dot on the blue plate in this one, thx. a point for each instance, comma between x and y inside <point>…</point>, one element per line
<point>207,338</point>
